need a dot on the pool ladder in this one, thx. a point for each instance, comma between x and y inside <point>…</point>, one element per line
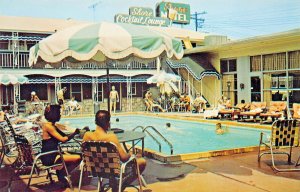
<point>144,129</point>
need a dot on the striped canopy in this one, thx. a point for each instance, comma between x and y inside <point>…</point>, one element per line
<point>102,41</point>
<point>9,79</point>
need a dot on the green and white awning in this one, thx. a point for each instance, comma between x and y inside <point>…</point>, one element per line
<point>10,79</point>
<point>197,69</point>
<point>102,41</point>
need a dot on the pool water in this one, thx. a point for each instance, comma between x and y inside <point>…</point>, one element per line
<point>185,136</point>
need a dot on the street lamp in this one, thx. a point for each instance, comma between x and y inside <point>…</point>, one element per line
<point>228,89</point>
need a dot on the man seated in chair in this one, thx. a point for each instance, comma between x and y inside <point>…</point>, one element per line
<point>199,103</point>
<point>185,102</point>
<point>73,106</point>
<point>102,120</point>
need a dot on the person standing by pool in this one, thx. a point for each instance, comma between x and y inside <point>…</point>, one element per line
<point>114,98</point>
<point>51,136</point>
<point>60,98</point>
<point>102,120</point>
<point>60,95</point>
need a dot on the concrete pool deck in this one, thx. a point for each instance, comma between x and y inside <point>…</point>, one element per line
<point>238,172</point>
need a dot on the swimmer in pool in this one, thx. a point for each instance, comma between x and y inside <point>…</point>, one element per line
<point>219,130</point>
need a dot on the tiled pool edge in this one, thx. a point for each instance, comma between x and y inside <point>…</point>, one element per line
<point>197,155</point>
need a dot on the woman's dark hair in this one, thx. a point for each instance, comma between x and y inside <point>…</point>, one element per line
<point>52,113</point>
<point>102,119</point>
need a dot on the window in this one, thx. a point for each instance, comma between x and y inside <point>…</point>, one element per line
<point>99,95</point>
<point>255,63</point>
<point>228,65</point>
<point>87,91</point>
<point>274,61</point>
<point>133,88</point>
<point>76,91</point>
<point>40,89</point>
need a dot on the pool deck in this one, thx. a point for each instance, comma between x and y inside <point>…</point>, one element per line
<point>238,172</point>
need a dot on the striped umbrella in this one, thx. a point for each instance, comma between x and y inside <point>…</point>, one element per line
<point>102,41</point>
<point>9,79</point>
<point>106,41</point>
<point>165,81</point>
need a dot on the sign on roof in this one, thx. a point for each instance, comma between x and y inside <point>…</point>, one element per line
<point>183,15</point>
<point>141,16</point>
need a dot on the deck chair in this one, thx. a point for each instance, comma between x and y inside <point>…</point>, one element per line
<point>101,159</point>
<point>255,109</point>
<point>231,112</point>
<point>8,147</point>
<point>284,134</point>
<point>28,161</point>
<point>276,110</point>
<point>296,111</point>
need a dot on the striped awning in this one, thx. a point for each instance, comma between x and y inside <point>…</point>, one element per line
<point>142,79</point>
<point>197,69</point>
<point>21,38</point>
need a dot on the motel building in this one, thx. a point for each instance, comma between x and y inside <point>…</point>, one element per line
<point>263,68</point>
<point>86,82</point>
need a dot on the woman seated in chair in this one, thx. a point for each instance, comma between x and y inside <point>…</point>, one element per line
<point>51,137</point>
<point>102,120</point>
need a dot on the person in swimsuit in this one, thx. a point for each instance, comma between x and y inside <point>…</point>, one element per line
<point>114,98</point>
<point>52,136</point>
<point>102,120</point>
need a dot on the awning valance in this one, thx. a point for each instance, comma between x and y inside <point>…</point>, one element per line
<point>197,69</point>
<point>89,80</point>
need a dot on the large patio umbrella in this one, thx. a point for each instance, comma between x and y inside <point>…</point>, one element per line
<point>105,42</point>
<point>165,81</point>
<point>10,79</point>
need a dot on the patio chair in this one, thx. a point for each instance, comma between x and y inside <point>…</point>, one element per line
<point>28,161</point>
<point>255,109</point>
<point>284,134</point>
<point>101,159</point>
<point>296,111</point>
<point>276,110</point>
<point>8,147</point>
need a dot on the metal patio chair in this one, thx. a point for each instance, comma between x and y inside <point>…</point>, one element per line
<point>8,147</point>
<point>29,162</point>
<point>284,134</point>
<point>101,159</point>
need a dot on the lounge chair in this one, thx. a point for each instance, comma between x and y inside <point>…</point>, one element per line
<point>231,112</point>
<point>296,111</point>
<point>255,109</point>
<point>276,110</point>
<point>284,134</point>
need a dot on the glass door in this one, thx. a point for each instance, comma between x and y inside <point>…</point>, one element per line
<point>255,88</point>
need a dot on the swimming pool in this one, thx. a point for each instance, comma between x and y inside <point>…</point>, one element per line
<point>186,136</point>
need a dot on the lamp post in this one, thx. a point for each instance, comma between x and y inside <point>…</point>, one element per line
<point>228,89</point>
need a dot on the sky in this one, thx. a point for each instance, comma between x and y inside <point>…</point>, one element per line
<point>235,18</point>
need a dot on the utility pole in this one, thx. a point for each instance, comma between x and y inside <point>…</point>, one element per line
<point>93,6</point>
<point>198,20</point>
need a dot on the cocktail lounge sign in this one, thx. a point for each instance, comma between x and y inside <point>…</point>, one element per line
<point>141,16</point>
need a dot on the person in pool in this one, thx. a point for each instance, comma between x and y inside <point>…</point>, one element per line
<point>219,130</point>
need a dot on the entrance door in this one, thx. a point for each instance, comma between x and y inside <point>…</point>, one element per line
<point>255,88</point>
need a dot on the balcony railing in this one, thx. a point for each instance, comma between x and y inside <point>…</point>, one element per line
<point>20,60</point>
